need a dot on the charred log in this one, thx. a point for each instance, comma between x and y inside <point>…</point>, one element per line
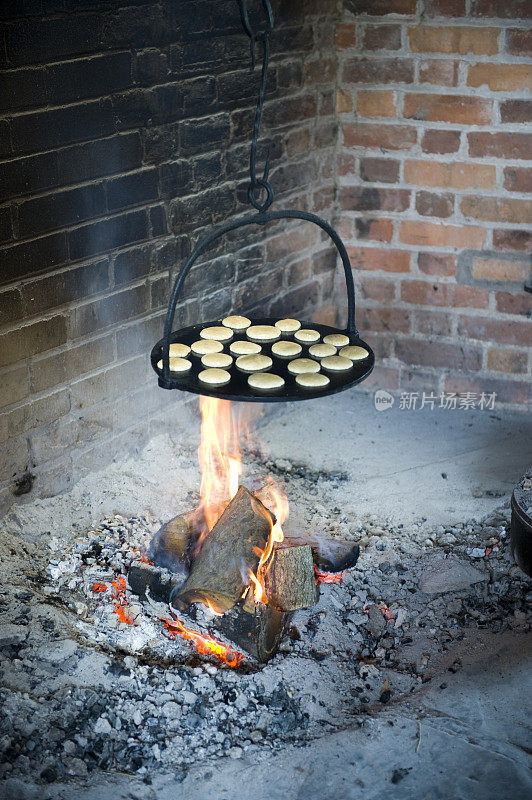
<point>289,582</point>
<point>159,582</point>
<point>329,554</point>
<point>258,633</point>
<point>174,544</point>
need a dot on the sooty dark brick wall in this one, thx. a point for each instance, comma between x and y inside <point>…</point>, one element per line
<point>124,131</point>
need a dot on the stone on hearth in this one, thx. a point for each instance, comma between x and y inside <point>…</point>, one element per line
<point>448,574</point>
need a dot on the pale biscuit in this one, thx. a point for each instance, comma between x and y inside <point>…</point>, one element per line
<point>204,346</point>
<point>265,381</point>
<point>217,332</point>
<point>236,323</point>
<point>217,360</point>
<point>336,339</point>
<point>309,380</point>
<point>336,364</point>
<point>244,348</point>
<point>307,335</point>
<point>303,365</point>
<point>255,363</point>
<point>177,364</point>
<point>214,377</point>
<point>354,352</point>
<point>178,350</point>
<point>322,350</point>
<point>288,325</point>
<point>263,333</point>
<point>286,349</point>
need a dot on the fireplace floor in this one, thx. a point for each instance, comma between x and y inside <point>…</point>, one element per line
<point>410,678</point>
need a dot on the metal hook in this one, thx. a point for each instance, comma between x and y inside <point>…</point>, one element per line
<point>244,14</point>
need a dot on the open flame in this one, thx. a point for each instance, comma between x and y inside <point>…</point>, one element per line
<point>204,644</point>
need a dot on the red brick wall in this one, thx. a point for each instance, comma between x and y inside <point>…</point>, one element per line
<point>434,178</point>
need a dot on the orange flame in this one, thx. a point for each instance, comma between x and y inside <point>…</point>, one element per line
<point>212,609</point>
<point>219,458</point>
<point>204,644</point>
<point>276,502</point>
<point>258,591</point>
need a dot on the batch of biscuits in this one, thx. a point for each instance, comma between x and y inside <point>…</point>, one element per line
<point>236,342</point>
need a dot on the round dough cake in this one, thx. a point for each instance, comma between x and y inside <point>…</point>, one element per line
<point>309,380</point>
<point>217,332</point>
<point>322,350</point>
<point>178,350</point>
<point>177,364</point>
<point>336,339</point>
<point>265,381</point>
<point>236,323</point>
<point>286,349</point>
<point>263,333</point>
<point>336,364</point>
<point>244,348</point>
<point>303,365</point>
<point>214,377</point>
<point>204,346</point>
<point>217,360</point>
<point>288,325</point>
<point>307,335</point>
<point>255,363</point>
<point>354,352</point>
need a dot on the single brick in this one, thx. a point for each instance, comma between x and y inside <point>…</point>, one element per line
<point>503,9</point>
<point>52,291</point>
<point>379,170</point>
<point>519,42</point>
<point>376,104</point>
<point>439,72</point>
<point>379,137</point>
<point>378,230</point>
<point>344,103</point>
<point>518,179</point>
<point>396,320</point>
<point>31,258</point>
<point>200,135</point>
<point>495,209</point>
<point>379,8</point>
<point>516,111</point>
<point>438,354</point>
<point>500,145</point>
<point>375,258</point>
<point>14,385</point>
<point>437,264</point>
<point>28,175</point>
<point>504,239</point>
<point>495,269</point>
<point>458,39</point>
<point>500,77</point>
<point>433,323</point>
<point>507,360</point>
<point>29,340</point>
<point>44,39</point>
<point>379,289</point>
<point>449,175</point>
<point>132,189</point>
<point>88,77</point>
<point>501,331</point>
<point>445,8</point>
<point>60,209</point>
<point>448,108</point>
<point>382,37</point>
<point>82,162</point>
<point>10,306</point>
<point>514,303</point>
<point>432,234</point>
<point>435,141</point>
<point>22,89</point>
<point>429,204</point>
<point>378,71</point>
<point>505,391</point>
<point>6,228</point>
<point>345,35</point>
<point>443,294</point>
<point>361,198</point>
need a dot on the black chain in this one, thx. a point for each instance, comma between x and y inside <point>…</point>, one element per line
<point>259,185</point>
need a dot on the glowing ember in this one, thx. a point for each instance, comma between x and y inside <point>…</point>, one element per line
<point>99,587</point>
<point>328,577</point>
<point>204,644</point>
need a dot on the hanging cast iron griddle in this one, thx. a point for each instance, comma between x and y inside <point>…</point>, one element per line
<point>238,387</point>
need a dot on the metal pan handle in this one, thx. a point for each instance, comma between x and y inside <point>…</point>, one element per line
<point>257,219</point>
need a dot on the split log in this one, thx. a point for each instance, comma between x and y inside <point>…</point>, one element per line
<point>330,554</point>
<point>258,633</point>
<point>174,543</point>
<point>160,582</point>
<point>220,571</point>
<point>289,582</point>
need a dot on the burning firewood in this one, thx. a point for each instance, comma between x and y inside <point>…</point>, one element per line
<point>173,545</point>
<point>289,582</point>
<point>258,633</point>
<point>221,569</point>
<point>329,554</point>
